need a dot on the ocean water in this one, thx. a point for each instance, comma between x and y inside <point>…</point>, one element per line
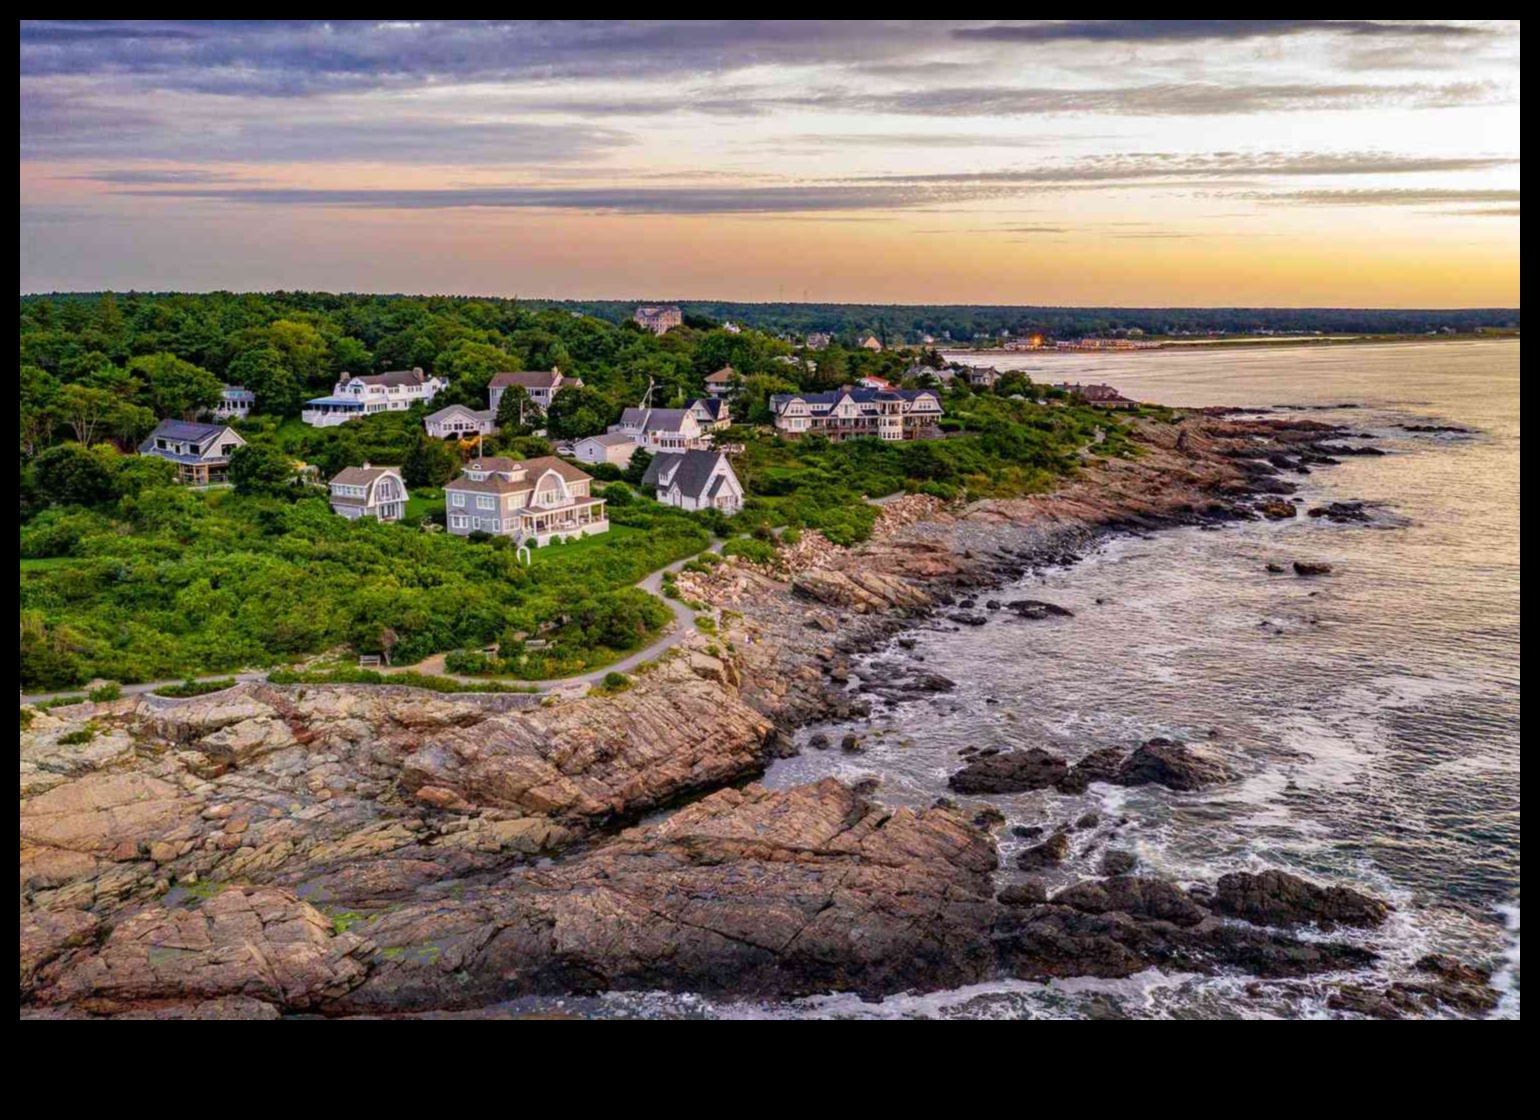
<point>1371,717</point>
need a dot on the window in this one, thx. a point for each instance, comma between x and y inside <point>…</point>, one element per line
<point>458,521</point>
<point>456,499</point>
<point>486,501</point>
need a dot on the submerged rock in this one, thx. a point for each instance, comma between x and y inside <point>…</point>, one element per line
<point>1053,850</point>
<point>1311,568</point>
<point>1171,764</point>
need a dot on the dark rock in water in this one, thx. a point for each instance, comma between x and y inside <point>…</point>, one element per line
<point>1027,831</point>
<point>1030,893</point>
<point>988,817</point>
<point>1276,568</point>
<point>906,643</point>
<point>992,605</point>
<point>1311,568</point>
<point>1277,509</point>
<point>1346,449</point>
<point>1116,861</point>
<point>1276,898</point>
<point>1052,941</point>
<point>1053,850</point>
<point>1341,511</point>
<point>966,619</point>
<point>1088,820</point>
<point>930,682</point>
<point>818,741</point>
<point>1441,982</point>
<point>1037,609</point>
<point>1171,764</point>
<point>865,787</point>
<point>852,743</point>
<point>1436,428</point>
<point>1099,766</point>
<point>1013,772</point>
<point>1141,898</point>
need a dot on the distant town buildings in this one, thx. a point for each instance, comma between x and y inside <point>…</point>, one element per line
<point>368,491</point>
<point>532,500</point>
<point>695,480</point>
<point>819,340</point>
<point>235,403</point>
<point>541,385</point>
<point>200,452</point>
<point>459,422</point>
<point>887,414</point>
<point>982,377</point>
<point>659,319</point>
<point>357,395</point>
<point>870,342</point>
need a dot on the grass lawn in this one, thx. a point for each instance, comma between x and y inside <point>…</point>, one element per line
<point>46,563</point>
<point>424,501</point>
<point>617,537</point>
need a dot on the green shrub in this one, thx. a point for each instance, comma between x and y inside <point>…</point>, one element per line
<point>195,688</point>
<point>106,693</point>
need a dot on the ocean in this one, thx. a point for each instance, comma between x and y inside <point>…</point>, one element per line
<point>1371,717</point>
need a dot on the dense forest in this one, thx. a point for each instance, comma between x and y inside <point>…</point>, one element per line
<point>126,576</point>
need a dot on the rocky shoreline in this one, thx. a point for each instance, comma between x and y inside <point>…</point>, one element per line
<point>350,851</point>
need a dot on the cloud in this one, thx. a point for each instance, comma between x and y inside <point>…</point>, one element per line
<point>618,200</point>
<point>1190,99</point>
<point>1204,30</point>
<point>1388,196</point>
<point>1143,167</point>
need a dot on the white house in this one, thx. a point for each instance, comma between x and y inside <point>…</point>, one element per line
<point>541,385</point>
<point>459,422</point>
<point>530,500</point>
<point>723,382</point>
<point>712,413</point>
<point>367,393</point>
<point>235,403</point>
<point>200,452</point>
<point>888,414</point>
<point>662,429</point>
<point>695,480</point>
<point>659,319</point>
<point>366,491</point>
<point>615,448</point>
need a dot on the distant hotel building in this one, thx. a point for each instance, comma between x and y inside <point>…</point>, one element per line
<point>658,320</point>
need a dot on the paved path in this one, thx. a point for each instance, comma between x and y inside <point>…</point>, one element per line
<point>682,626</point>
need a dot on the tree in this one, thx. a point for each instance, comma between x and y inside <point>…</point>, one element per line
<point>259,468</point>
<point>516,413</point>
<point>86,410</point>
<point>578,411</point>
<point>265,371</point>
<point>176,388</point>
<point>72,474</point>
<point>429,462</point>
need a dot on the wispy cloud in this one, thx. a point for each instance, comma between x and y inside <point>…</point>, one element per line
<point>1389,196</point>
<point>1205,30</point>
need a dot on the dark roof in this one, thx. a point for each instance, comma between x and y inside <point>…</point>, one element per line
<point>362,476</point>
<point>860,396</point>
<point>525,378</point>
<point>186,429</point>
<point>391,377</point>
<point>713,405</point>
<point>689,470</point>
<point>655,419</point>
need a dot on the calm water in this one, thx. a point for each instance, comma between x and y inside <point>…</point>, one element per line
<point>1372,716</point>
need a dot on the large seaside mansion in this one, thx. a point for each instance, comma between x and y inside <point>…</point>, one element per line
<point>362,394</point>
<point>531,500</point>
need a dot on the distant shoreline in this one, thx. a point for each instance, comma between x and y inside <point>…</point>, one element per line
<point>1157,346</point>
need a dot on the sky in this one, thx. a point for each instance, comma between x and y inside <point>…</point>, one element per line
<point>1362,163</point>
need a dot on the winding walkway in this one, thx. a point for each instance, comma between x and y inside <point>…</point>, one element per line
<point>682,625</point>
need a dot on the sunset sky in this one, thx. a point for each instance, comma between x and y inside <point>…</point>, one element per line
<point>1124,162</point>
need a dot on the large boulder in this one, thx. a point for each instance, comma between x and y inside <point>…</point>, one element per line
<point>1276,898</point>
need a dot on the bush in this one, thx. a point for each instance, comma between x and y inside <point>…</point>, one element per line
<point>195,688</point>
<point>83,735</point>
<point>406,679</point>
<point>105,694</point>
<point>752,549</point>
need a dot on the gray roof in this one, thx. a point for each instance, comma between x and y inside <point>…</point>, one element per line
<point>362,476</point>
<point>391,377</point>
<point>689,470</point>
<point>712,405</point>
<point>608,439</point>
<point>478,413</point>
<point>655,419</point>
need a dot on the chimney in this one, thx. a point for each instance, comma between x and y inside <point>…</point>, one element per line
<point>366,464</point>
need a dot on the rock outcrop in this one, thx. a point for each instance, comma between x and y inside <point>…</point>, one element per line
<point>1276,898</point>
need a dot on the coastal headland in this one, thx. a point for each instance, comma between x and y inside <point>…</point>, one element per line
<point>273,850</point>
